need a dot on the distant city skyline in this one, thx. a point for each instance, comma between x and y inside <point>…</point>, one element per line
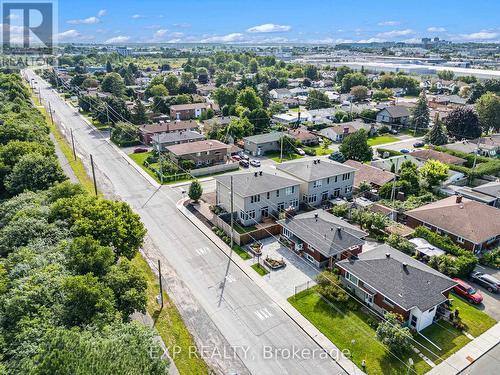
<point>277,21</point>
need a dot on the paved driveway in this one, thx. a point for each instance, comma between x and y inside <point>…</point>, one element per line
<point>297,271</point>
<point>491,301</point>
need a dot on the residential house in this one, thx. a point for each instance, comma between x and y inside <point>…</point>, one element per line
<point>280,93</point>
<point>188,111</point>
<point>388,280</point>
<point>488,193</point>
<point>321,115</point>
<point>305,137</point>
<point>150,131</point>
<point>322,238</point>
<point>257,195</point>
<point>258,145</point>
<point>485,146</point>
<point>321,179</point>
<point>163,140</point>
<point>374,176</point>
<point>470,224</point>
<point>300,91</point>
<point>338,132</point>
<point>397,115</point>
<point>203,153</point>
<point>442,86</point>
<point>428,154</point>
<point>440,101</point>
<point>393,163</point>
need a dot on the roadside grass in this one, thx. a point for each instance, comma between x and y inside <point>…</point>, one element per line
<point>275,156</point>
<point>475,321</point>
<point>321,151</point>
<point>94,122</point>
<point>259,268</point>
<point>381,139</point>
<point>76,165</point>
<point>242,253</point>
<point>444,335</point>
<point>342,325</point>
<point>169,324</point>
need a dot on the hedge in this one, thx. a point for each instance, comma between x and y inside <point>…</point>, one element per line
<point>484,165</point>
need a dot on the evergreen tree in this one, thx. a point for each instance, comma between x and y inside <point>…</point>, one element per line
<point>421,114</point>
<point>437,135</point>
<point>463,123</point>
<point>195,190</point>
<point>139,117</point>
<point>109,67</point>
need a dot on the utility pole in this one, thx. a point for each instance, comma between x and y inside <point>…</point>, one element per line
<point>281,149</point>
<point>159,157</point>
<point>107,112</point>
<point>475,154</point>
<point>161,284</point>
<point>232,215</point>
<point>73,143</point>
<point>93,173</point>
<point>51,115</point>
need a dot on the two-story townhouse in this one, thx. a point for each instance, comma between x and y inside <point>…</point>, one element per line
<point>321,179</point>
<point>257,195</point>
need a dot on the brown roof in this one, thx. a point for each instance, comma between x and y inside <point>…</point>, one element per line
<point>373,175</point>
<point>169,126</point>
<point>184,107</point>
<point>200,146</point>
<point>469,219</point>
<point>302,134</point>
<point>443,157</point>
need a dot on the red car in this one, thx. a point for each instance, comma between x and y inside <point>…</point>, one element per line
<point>464,290</point>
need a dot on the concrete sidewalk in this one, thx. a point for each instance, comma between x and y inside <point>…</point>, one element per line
<point>469,353</point>
<point>287,308</point>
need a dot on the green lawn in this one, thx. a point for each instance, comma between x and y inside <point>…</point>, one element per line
<point>381,139</point>
<point>475,321</point>
<point>242,253</point>
<point>342,325</point>
<point>139,160</point>
<point>275,156</point>
<point>169,324</point>
<point>444,335</point>
<point>260,269</point>
<point>242,230</point>
<point>321,151</point>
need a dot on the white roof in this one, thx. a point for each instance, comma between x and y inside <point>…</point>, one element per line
<point>424,247</point>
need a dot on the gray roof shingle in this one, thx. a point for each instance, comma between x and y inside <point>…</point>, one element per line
<point>312,170</point>
<point>248,184</point>
<point>413,285</point>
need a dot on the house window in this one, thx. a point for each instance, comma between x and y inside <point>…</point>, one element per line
<point>309,258</point>
<point>287,233</point>
<point>431,310</point>
<point>317,183</point>
<point>427,226</point>
<point>243,215</point>
<point>324,196</point>
<point>336,193</point>
<point>281,206</point>
<point>255,198</point>
<point>328,180</point>
<point>460,239</point>
<point>294,203</point>
<point>268,195</point>
<point>388,302</point>
<point>336,178</point>
<point>277,193</point>
<point>290,190</point>
<point>348,189</point>
<point>310,198</point>
<point>353,279</point>
<point>264,211</point>
<point>251,214</point>
<point>345,176</point>
<point>413,321</point>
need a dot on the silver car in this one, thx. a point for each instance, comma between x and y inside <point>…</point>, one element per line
<point>491,283</point>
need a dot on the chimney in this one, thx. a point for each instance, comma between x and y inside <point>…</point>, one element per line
<point>339,229</point>
<point>459,198</point>
<point>387,255</point>
<point>346,130</point>
<point>319,161</point>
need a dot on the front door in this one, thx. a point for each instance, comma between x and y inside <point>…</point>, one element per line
<point>264,212</point>
<point>369,299</point>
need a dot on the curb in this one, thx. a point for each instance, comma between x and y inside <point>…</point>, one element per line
<point>310,330</point>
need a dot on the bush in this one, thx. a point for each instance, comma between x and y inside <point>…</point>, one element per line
<point>391,332</point>
<point>309,151</point>
<point>329,287</point>
<point>402,244</point>
<point>491,258</point>
<point>340,210</point>
<point>383,129</point>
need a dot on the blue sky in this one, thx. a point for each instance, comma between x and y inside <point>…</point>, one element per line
<point>267,21</point>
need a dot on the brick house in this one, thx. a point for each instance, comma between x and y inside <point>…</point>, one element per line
<point>150,131</point>
<point>188,111</point>
<point>470,224</point>
<point>322,238</point>
<point>203,153</point>
<point>388,280</point>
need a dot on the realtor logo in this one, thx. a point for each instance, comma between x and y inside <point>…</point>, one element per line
<point>29,25</point>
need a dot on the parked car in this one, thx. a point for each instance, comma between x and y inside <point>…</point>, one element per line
<point>464,290</point>
<point>491,283</point>
<point>255,163</point>
<point>140,150</point>
<point>236,157</point>
<point>300,152</point>
<point>394,131</point>
<point>245,157</point>
<point>337,156</point>
<point>419,144</point>
<point>404,151</point>
<point>244,163</point>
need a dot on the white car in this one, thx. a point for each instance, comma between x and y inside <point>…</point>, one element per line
<point>301,152</point>
<point>255,163</point>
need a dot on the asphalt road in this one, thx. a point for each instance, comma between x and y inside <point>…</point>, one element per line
<point>491,301</point>
<point>241,314</point>
<point>487,364</point>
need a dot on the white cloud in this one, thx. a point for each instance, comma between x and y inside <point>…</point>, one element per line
<point>269,28</point>
<point>118,39</point>
<point>481,35</point>
<point>371,40</point>
<point>86,21</point>
<point>102,13</point>
<point>183,25</point>
<point>137,16</point>
<point>177,34</point>
<point>436,29</point>
<point>395,33</point>
<point>389,23</point>
<point>412,40</point>
<point>160,33</point>
<point>228,38</point>
<point>69,34</point>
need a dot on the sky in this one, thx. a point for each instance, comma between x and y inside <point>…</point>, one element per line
<point>277,21</point>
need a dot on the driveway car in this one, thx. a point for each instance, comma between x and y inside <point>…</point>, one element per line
<point>419,144</point>
<point>236,157</point>
<point>464,290</point>
<point>301,152</point>
<point>255,163</point>
<point>140,150</point>
<point>244,163</point>
<point>491,283</point>
<point>404,151</point>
